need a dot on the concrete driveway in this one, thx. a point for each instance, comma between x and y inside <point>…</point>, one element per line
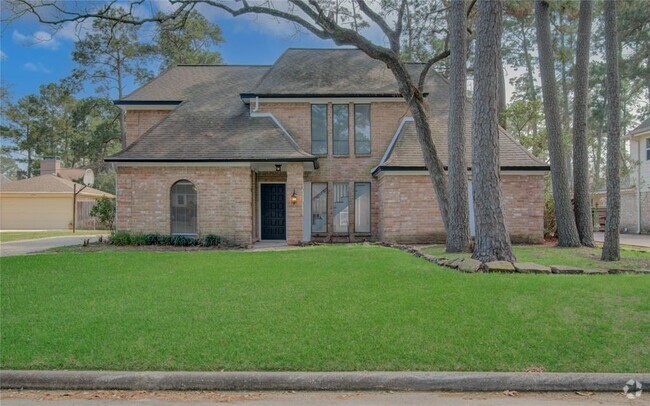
<point>23,247</point>
<point>639,240</point>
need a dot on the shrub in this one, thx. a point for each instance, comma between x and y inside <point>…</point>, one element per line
<point>152,239</point>
<point>211,240</point>
<point>104,212</point>
<point>138,239</point>
<point>121,238</point>
<point>183,241</point>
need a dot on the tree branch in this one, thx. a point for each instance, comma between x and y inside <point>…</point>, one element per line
<point>427,66</point>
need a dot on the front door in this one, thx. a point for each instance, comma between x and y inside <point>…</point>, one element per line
<point>272,202</point>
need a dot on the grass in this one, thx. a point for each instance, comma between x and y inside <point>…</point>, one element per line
<point>351,307</point>
<point>583,257</point>
<point>7,236</point>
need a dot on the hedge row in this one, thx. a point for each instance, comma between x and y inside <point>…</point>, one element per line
<point>210,240</point>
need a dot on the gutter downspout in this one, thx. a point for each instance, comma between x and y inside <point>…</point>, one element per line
<point>638,189</point>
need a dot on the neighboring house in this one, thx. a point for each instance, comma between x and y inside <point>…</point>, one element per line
<point>635,197</point>
<point>45,202</point>
<point>318,146</point>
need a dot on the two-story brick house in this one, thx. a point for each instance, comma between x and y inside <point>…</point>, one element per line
<point>317,146</point>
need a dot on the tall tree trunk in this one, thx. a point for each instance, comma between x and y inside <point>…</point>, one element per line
<point>458,230</point>
<point>566,224</point>
<point>611,250</point>
<point>502,94</point>
<point>29,162</point>
<point>120,92</point>
<point>582,203</point>
<point>530,74</point>
<point>565,94</point>
<point>492,239</point>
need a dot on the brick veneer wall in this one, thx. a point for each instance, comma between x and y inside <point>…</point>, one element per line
<point>295,176</point>
<point>140,121</point>
<point>224,199</point>
<point>385,118</point>
<point>410,213</point>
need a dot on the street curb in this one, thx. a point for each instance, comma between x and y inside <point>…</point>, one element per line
<point>319,381</point>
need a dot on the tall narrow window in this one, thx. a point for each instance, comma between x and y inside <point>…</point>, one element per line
<point>340,128</point>
<point>183,208</point>
<point>647,149</point>
<point>319,129</point>
<point>362,129</point>
<point>362,207</point>
<point>341,208</point>
<point>319,207</point>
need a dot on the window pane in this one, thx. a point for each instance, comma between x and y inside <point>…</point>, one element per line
<point>183,208</point>
<point>319,129</point>
<point>362,207</point>
<point>341,208</point>
<point>647,151</point>
<point>319,207</point>
<point>340,124</point>
<point>362,128</point>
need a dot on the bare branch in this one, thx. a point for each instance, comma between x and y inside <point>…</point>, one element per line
<point>427,66</point>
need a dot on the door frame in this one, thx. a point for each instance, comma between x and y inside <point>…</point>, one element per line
<point>259,208</point>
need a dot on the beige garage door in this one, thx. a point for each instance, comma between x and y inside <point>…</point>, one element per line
<point>35,213</point>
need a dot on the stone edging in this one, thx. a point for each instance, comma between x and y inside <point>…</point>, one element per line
<point>471,265</point>
<point>317,381</point>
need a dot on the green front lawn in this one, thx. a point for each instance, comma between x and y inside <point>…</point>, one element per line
<point>352,307</point>
<point>585,258</point>
<point>7,236</point>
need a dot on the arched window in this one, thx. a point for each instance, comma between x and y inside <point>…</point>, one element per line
<point>183,208</point>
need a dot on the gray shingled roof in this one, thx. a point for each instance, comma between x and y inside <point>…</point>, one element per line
<point>644,127</point>
<point>45,184</point>
<point>406,152</point>
<point>328,72</point>
<point>212,124</point>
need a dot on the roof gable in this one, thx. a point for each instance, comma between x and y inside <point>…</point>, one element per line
<point>48,184</point>
<point>214,125</point>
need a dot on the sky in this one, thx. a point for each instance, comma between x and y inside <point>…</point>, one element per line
<point>32,55</point>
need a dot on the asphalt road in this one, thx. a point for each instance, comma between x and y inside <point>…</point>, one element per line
<point>114,398</point>
<point>23,247</point>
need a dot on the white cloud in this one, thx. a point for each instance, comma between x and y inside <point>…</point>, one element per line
<point>36,67</point>
<point>38,39</point>
<point>3,56</point>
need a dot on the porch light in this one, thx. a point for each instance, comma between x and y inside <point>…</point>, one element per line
<point>294,198</point>
<point>278,167</point>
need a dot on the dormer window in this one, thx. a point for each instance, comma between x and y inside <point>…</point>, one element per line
<point>647,149</point>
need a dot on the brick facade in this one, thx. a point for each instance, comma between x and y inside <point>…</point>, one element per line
<point>403,208</point>
<point>140,121</point>
<point>410,214</point>
<point>385,118</point>
<point>224,199</point>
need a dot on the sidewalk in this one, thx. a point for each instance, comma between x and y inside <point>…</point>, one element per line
<point>639,240</point>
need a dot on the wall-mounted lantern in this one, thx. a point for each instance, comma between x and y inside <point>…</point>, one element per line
<point>278,167</point>
<point>294,198</point>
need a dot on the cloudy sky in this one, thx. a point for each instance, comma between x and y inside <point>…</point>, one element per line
<point>31,54</point>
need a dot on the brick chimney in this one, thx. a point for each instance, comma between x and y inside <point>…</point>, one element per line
<point>50,166</point>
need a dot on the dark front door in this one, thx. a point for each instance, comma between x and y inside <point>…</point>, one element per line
<point>273,208</point>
